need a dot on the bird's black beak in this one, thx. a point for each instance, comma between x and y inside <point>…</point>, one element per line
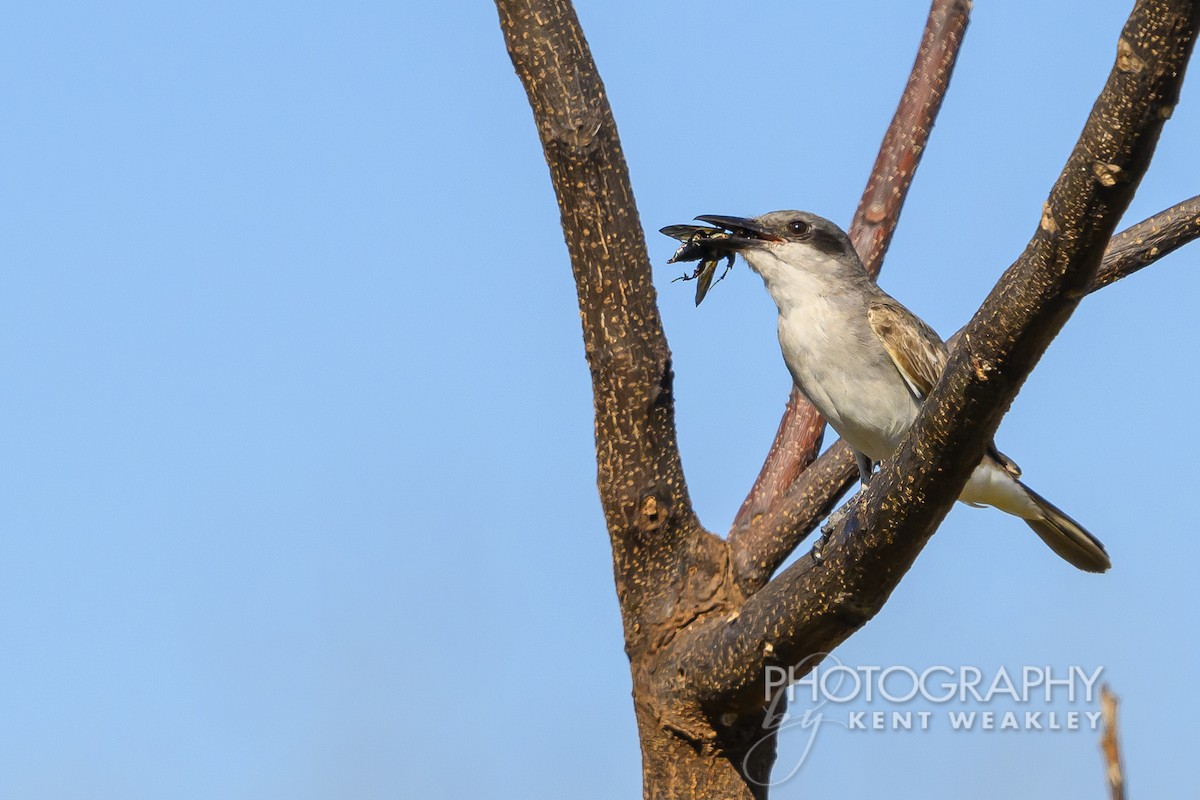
<point>743,232</point>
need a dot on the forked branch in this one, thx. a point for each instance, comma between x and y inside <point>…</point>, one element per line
<point>813,606</point>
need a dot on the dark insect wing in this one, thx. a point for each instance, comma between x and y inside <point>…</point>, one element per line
<point>695,240</point>
<point>706,271</point>
<point>700,243</point>
<point>704,276</point>
<point>685,232</point>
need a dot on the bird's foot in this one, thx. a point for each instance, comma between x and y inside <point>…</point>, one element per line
<point>864,467</point>
<point>827,529</point>
<point>831,525</point>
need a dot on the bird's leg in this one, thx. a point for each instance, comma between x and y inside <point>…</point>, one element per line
<point>831,524</point>
<point>864,467</point>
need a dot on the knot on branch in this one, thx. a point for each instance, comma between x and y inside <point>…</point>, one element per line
<point>653,512</point>
<point>852,611</point>
<point>1127,60</point>
<point>577,132</point>
<point>661,393</point>
<point>1047,223</point>
<point>982,367</point>
<point>1107,174</point>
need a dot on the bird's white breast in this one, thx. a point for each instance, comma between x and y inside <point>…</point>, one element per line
<point>842,368</point>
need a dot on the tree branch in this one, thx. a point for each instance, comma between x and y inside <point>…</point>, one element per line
<point>900,153</point>
<point>808,500</point>
<point>817,490</point>
<point>798,439</point>
<point>797,442</point>
<point>1142,244</point>
<point>812,607</point>
<point>1110,745</point>
<point>654,532</point>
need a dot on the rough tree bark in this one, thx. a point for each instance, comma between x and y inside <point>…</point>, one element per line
<point>702,615</point>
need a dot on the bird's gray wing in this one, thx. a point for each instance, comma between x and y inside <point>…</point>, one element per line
<point>919,355</point>
<point>916,350</point>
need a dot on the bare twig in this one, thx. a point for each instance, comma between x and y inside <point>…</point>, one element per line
<point>1144,243</point>
<point>1110,744</point>
<point>798,439</point>
<point>879,209</point>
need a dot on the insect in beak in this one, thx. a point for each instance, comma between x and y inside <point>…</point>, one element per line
<point>700,243</point>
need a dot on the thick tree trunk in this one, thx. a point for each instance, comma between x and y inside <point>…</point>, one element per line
<point>736,767</point>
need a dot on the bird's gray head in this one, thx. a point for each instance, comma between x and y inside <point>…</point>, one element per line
<point>791,247</point>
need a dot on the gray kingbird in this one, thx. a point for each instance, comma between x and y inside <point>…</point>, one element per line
<point>867,362</point>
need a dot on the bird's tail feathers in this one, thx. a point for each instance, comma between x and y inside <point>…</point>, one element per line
<point>1067,537</point>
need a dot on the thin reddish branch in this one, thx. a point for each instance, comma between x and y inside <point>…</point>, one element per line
<point>807,501</point>
<point>879,209</point>
<point>797,443</point>
<point>798,439</point>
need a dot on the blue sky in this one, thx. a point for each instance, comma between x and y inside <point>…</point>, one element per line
<point>298,496</point>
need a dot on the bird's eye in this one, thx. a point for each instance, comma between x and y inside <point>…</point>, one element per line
<point>799,227</point>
